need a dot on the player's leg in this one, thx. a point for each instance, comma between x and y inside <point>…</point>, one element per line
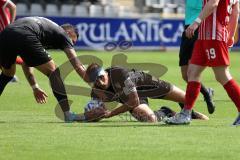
<point>6,76</point>
<point>197,64</point>
<point>7,60</point>
<point>192,92</point>
<point>194,75</point>
<point>34,55</point>
<point>184,58</point>
<point>178,95</point>
<point>193,86</point>
<point>232,88</point>
<point>206,92</point>
<point>184,72</point>
<point>19,61</point>
<point>222,74</point>
<point>144,113</point>
<point>49,69</point>
<point>185,54</point>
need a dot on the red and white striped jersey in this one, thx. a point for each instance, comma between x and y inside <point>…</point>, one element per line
<point>214,27</point>
<point>4,14</point>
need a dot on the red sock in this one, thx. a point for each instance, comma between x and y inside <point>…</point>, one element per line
<point>19,60</point>
<point>193,90</point>
<point>233,91</point>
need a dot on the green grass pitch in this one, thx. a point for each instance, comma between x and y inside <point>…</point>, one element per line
<point>31,131</point>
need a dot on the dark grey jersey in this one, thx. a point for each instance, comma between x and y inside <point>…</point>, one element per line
<point>29,38</point>
<point>51,35</point>
<point>124,81</point>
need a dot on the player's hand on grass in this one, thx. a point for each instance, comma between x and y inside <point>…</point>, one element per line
<point>40,95</point>
<point>191,29</point>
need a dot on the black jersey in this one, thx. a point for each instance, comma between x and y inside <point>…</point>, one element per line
<point>51,35</point>
<point>124,81</point>
<point>29,38</point>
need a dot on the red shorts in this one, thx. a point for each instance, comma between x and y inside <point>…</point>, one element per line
<point>210,53</point>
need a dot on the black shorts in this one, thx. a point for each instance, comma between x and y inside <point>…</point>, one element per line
<point>158,90</point>
<point>186,47</point>
<point>18,42</point>
<point>163,88</point>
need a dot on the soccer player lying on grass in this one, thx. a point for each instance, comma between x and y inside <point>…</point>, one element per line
<point>132,89</point>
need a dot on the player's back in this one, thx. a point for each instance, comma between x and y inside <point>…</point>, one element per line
<point>50,34</point>
<point>214,27</point>
<point>39,25</point>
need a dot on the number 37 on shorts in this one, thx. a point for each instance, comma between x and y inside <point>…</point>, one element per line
<point>210,53</point>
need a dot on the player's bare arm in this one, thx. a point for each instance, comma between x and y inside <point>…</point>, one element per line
<point>233,22</point>
<point>207,10</point>
<point>12,9</point>
<point>78,66</point>
<point>39,94</point>
<point>133,102</point>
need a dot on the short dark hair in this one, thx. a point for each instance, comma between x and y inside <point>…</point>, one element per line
<point>92,67</point>
<point>92,70</point>
<point>68,26</point>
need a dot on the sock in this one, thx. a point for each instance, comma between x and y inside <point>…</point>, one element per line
<point>4,81</point>
<point>204,91</point>
<point>62,101</point>
<point>19,60</point>
<point>59,90</point>
<point>192,92</point>
<point>193,113</point>
<point>233,91</point>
